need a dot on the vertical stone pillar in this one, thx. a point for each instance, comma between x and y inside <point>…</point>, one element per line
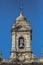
<point>13,49</point>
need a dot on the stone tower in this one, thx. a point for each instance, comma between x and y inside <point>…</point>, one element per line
<point>21,40</point>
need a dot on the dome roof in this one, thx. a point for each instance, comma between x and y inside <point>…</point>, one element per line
<point>21,17</point>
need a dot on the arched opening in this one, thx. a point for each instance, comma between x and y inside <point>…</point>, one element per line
<point>21,43</point>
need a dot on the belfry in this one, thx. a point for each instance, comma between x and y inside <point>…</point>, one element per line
<point>21,40</point>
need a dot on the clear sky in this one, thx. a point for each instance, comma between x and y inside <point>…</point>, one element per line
<point>9,11</point>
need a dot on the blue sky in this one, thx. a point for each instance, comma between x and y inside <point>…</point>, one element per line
<point>9,11</point>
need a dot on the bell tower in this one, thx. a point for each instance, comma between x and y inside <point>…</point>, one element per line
<point>21,40</point>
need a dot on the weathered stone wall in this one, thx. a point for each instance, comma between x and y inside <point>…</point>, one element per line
<point>21,64</point>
